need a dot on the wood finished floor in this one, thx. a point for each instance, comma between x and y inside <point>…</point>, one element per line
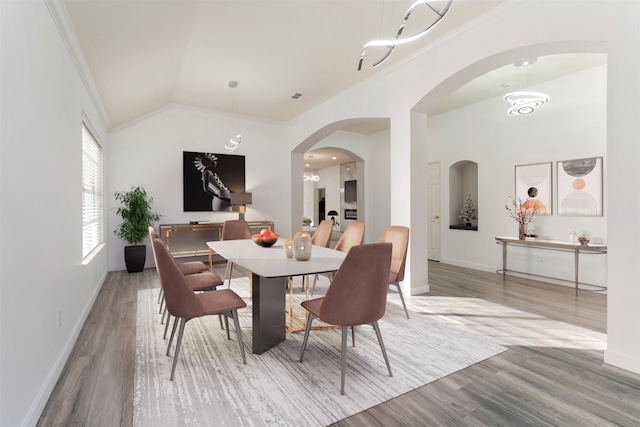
<point>528,385</point>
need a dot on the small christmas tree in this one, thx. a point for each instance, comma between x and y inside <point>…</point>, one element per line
<point>468,211</point>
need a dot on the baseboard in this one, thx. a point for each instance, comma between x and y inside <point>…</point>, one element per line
<point>622,361</point>
<point>39,403</point>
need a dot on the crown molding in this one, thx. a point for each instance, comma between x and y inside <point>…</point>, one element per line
<point>67,31</point>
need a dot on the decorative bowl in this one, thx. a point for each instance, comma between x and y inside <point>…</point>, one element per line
<point>265,240</point>
<point>584,240</point>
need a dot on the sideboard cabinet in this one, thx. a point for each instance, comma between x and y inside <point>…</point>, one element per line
<point>190,240</point>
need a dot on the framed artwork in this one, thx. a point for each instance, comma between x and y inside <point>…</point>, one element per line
<point>580,187</point>
<point>209,179</point>
<point>533,187</point>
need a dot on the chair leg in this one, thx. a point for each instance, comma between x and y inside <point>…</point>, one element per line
<point>313,287</point>
<point>226,323</point>
<point>161,306</point>
<point>230,267</point>
<point>166,327</point>
<point>178,343</point>
<point>236,321</point>
<point>384,352</point>
<point>160,295</point>
<point>343,357</point>
<point>221,324</point>
<point>310,318</point>
<point>173,332</point>
<point>353,336</point>
<point>397,285</point>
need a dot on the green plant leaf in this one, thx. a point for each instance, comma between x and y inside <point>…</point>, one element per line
<point>136,215</point>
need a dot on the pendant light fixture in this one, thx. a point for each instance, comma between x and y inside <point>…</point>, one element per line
<point>525,102</point>
<point>391,44</point>
<point>236,138</point>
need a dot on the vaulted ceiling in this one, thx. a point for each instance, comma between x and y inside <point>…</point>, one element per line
<point>146,54</point>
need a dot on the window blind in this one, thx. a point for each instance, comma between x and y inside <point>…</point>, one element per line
<point>91,192</point>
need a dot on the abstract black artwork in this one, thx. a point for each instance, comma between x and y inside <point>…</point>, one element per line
<point>209,179</point>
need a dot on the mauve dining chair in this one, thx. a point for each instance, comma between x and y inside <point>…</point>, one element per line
<point>184,304</point>
<point>398,235</point>
<point>356,296</point>
<point>234,229</point>
<point>352,236</point>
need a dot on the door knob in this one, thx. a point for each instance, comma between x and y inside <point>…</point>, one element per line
<point>437,217</point>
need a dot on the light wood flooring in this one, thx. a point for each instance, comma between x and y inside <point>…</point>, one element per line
<point>533,383</point>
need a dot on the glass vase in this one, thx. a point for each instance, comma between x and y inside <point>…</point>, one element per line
<point>520,231</point>
<point>302,246</point>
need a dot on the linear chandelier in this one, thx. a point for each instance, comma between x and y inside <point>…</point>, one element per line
<point>391,44</point>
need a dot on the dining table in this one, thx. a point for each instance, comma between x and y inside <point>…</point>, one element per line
<point>270,269</point>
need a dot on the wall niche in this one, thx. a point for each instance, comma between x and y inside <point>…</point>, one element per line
<point>463,182</point>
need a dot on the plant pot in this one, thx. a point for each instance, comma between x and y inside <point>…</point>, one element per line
<point>134,258</point>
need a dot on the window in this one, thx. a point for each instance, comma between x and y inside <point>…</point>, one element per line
<point>91,191</point>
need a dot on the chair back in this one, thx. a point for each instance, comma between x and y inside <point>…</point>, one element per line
<point>322,236</point>
<point>235,229</point>
<point>152,236</point>
<point>181,301</point>
<point>398,235</point>
<point>358,293</point>
<point>352,236</point>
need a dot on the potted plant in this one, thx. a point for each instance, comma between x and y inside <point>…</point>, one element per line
<point>136,216</point>
<point>468,211</point>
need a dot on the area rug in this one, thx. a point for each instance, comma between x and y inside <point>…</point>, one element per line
<point>213,387</point>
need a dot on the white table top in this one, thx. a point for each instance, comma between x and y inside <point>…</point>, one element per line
<point>272,262</point>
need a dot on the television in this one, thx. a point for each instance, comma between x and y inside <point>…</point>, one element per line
<point>351,191</point>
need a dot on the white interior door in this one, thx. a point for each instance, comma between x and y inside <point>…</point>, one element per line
<point>433,210</point>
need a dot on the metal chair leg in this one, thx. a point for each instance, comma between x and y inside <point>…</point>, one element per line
<point>178,343</point>
<point>166,327</point>
<point>173,331</point>
<point>226,323</point>
<point>160,295</point>
<point>353,336</point>
<point>397,285</point>
<point>384,352</point>
<point>236,321</point>
<point>310,318</point>
<point>343,357</point>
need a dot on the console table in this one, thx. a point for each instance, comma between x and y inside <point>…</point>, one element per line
<point>553,245</point>
<point>190,240</point>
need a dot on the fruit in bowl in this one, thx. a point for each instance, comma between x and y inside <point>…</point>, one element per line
<point>266,238</point>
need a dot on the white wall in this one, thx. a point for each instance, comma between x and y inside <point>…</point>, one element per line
<point>43,97</point>
<point>571,126</point>
<point>149,152</point>
<point>42,272</point>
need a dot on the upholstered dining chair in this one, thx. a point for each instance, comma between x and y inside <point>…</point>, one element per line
<point>197,279</point>
<point>356,296</point>
<point>352,236</point>
<point>189,267</point>
<point>321,237</point>
<point>398,235</point>
<point>234,229</point>
<point>184,304</point>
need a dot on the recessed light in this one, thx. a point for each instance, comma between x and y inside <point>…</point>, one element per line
<point>334,158</point>
<point>307,165</point>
